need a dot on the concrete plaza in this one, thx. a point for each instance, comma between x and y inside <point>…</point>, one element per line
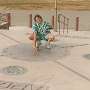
<point>63,67</point>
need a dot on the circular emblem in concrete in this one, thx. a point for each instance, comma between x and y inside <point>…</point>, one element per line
<point>25,52</point>
<point>87,56</point>
<point>14,70</point>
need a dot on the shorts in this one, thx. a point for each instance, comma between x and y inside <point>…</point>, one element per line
<point>42,37</point>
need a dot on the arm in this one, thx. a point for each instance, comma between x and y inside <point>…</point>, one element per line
<point>35,37</point>
<point>49,26</point>
<point>34,43</point>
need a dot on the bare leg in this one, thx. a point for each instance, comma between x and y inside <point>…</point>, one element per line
<point>34,38</point>
<point>31,37</point>
<point>50,37</point>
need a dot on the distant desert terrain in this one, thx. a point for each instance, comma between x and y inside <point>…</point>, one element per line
<point>80,5</point>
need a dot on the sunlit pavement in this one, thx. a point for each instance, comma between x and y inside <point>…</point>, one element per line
<point>63,67</point>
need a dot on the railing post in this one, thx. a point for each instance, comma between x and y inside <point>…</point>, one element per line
<point>59,22</point>
<point>67,25</point>
<point>52,20</point>
<point>55,16</point>
<point>63,24</point>
<point>77,23</point>
<point>8,18</point>
<point>0,18</point>
<point>30,20</point>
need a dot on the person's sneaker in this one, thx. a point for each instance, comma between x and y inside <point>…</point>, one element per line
<point>38,44</point>
<point>48,44</point>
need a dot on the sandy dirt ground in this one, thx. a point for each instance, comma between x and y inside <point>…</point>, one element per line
<point>67,5</point>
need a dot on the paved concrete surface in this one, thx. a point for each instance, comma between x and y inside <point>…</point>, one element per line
<point>63,67</point>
